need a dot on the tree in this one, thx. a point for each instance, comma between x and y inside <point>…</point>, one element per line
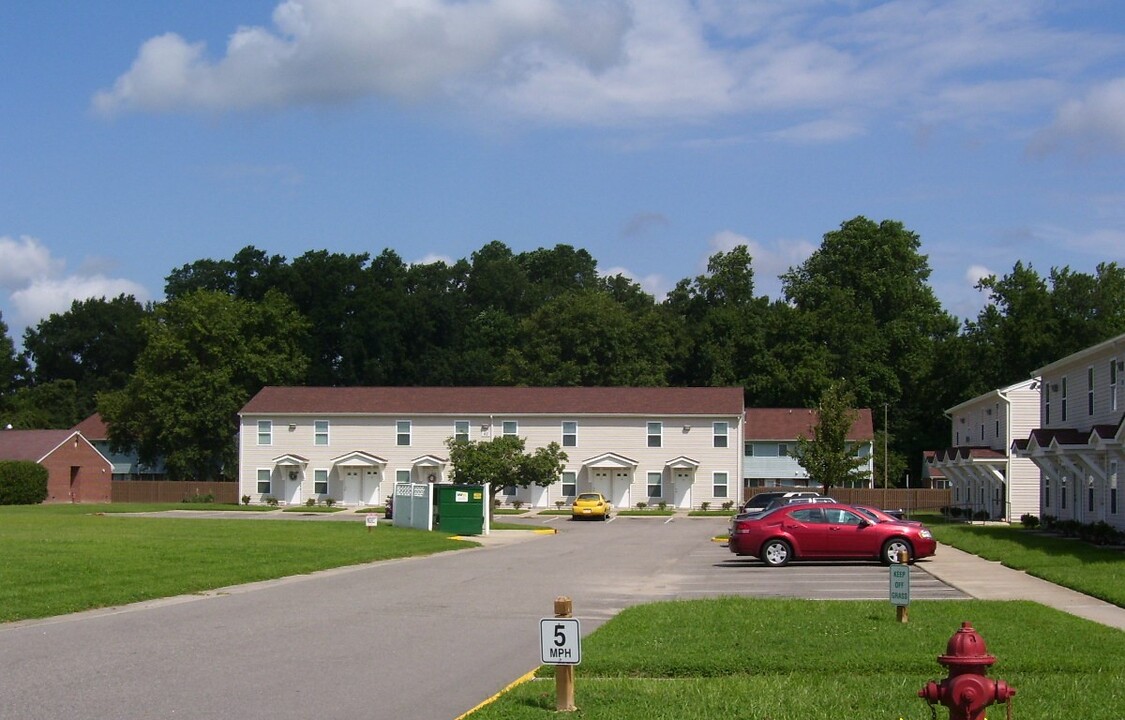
<point>503,462</point>
<point>829,456</point>
<point>207,353</point>
<point>94,345</point>
<point>12,368</point>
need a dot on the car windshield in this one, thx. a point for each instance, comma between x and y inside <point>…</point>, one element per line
<point>589,496</point>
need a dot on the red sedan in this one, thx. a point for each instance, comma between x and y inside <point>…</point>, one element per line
<point>827,531</point>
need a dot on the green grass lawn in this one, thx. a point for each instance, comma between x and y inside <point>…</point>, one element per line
<point>58,559</point>
<point>748,659</point>
<point>1095,571</point>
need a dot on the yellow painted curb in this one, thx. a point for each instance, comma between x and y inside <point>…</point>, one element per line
<point>546,531</point>
<point>720,539</point>
<point>509,686</point>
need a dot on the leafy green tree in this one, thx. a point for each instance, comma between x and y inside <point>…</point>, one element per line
<point>503,462</point>
<point>12,367</point>
<point>207,353</point>
<point>55,405</point>
<point>585,338</point>
<point>93,345</point>
<point>829,457</point>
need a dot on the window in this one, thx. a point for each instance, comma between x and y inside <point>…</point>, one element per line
<point>719,433</point>
<point>1062,403</point>
<point>783,449</point>
<point>1113,384</point>
<point>719,485</point>
<point>1090,499</point>
<point>264,482</point>
<point>510,491</point>
<point>320,432</point>
<point>511,428</point>
<point>841,517</point>
<point>996,413</point>
<point>655,433</point>
<point>1062,495</point>
<point>265,432</point>
<point>1113,487</point>
<point>809,515</point>
<point>957,493</point>
<point>569,484</point>
<point>461,431</point>
<point>748,449</point>
<point>402,428</point>
<point>1089,391</point>
<point>569,433</point>
<point>1113,501</point>
<point>402,476</point>
<point>320,482</point>
<point>1046,403</point>
<point>656,485</point>
<point>1046,492</point>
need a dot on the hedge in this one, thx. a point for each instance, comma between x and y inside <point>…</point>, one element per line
<point>22,482</point>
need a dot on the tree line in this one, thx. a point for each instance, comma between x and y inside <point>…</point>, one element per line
<point>169,377</point>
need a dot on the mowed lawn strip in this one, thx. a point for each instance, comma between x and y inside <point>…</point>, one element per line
<point>58,559</point>
<point>1095,571</point>
<point>824,660</point>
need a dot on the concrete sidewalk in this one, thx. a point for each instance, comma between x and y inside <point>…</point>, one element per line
<point>989,580</point>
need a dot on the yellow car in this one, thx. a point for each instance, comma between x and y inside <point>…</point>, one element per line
<point>590,505</point>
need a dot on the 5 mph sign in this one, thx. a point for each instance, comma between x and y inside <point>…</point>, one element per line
<point>560,641</point>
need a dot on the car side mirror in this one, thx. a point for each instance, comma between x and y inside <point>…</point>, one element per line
<point>863,523</point>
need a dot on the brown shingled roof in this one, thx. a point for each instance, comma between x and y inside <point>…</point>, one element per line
<point>497,400</point>
<point>31,445</point>
<point>791,423</point>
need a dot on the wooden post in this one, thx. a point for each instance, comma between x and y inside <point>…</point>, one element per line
<point>903,611</point>
<point>564,674</point>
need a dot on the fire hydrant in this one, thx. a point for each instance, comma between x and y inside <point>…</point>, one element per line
<point>966,692</point>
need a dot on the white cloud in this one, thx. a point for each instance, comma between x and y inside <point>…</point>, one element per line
<point>829,70</point>
<point>24,260</point>
<point>321,51</point>
<point>37,285</point>
<point>1091,125</point>
<point>975,273</point>
<point>45,296</point>
<point>655,285</point>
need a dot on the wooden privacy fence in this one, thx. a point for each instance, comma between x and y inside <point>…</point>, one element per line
<point>171,491</point>
<point>890,499</point>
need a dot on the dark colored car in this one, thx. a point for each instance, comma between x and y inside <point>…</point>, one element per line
<point>759,502</point>
<point>882,515</point>
<point>826,531</point>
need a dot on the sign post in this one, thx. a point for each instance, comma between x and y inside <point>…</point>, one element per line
<point>560,644</point>
<point>900,588</point>
<point>371,520</point>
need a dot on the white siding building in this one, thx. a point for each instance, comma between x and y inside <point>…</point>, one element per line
<point>680,446</point>
<point>984,474</point>
<point>771,436</point>
<point>1077,445</point>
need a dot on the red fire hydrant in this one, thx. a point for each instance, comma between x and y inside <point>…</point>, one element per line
<point>966,692</point>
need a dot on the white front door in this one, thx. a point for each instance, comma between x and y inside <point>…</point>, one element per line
<point>603,483</point>
<point>353,487</point>
<point>292,486</point>
<point>682,481</point>
<point>622,479</point>
<point>371,481</point>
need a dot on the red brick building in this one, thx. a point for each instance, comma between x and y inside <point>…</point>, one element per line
<point>77,472</point>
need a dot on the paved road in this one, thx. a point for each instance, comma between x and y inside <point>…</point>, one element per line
<point>421,638</point>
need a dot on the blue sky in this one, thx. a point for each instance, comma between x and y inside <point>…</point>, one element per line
<point>140,136</point>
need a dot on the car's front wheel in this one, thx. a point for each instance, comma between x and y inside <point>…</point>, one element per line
<point>776,553</point>
<point>893,549</point>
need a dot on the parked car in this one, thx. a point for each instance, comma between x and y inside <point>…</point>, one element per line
<point>882,515</point>
<point>759,501</point>
<point>590,505</point>
<point>789,499</point>
<point>826,531</point>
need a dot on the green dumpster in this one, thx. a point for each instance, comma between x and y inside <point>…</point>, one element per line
<point>460,509</point>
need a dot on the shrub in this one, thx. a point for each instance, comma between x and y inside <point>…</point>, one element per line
<point>1099,533</point>
<point>270,500</point>
<point>309,502</point>
<point>642,505</point>
<point>559,504</point>
<point>329,501</point>
<point>22,482</point>
<point>1068,528</point>
<point>517,504</point>
<point>196,497</point>
<point>980,515</point>
<point>704,506</point>
<point>1029,521</point>
<point>728,505</point>
<point>663,506</point>
<point>1048,522</point>
<point>245,499</point>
